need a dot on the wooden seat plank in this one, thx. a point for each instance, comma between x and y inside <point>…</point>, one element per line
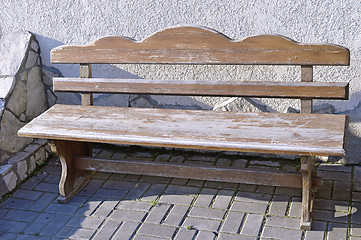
<point>311,90</point>
<point>301,134</point>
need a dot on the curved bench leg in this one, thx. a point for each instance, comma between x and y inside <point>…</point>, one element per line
<point>307,192</point>
<point>72,180</point>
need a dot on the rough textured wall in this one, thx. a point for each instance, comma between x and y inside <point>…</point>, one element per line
<point>312,21</point>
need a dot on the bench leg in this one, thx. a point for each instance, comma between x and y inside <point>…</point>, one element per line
<point>307,192</point>
<point>72,180</point>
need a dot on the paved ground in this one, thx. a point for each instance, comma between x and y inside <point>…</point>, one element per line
<point>117,206</point>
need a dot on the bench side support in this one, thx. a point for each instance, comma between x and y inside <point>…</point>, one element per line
<point>72,180</point>
<point>307,163</point>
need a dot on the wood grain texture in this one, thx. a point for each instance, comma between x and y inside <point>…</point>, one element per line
<point>211,173</point>
<point>301,134</point>
<point>197,45</point>
<point>314,90</point>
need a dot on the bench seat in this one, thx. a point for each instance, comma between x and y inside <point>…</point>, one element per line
<point>300,134</point>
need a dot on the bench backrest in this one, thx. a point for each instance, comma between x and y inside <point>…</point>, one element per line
<point>196,45</point>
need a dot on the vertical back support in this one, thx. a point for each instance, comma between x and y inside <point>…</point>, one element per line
<point>306,161</point>
<point>86,72</point>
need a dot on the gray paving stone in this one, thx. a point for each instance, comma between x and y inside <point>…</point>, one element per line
<point>142,237</point>
<point>105,208</point>
<point>17,203</point>
<point>157,230</point>
<point>341,191</point>
<point>253,197</point>
<point>265,189</point>
<point>89,207</point>
<point>107,230</point>
<point>354,238</point>
<point>27,194</point>
<point>208,213</point>
<point>91,187</point>
<point>12,226</point>
<point>202,224</point>
<point>111,193</point>
<point>286,222</point>
<point>338,176</point>
<point>337,231</point>
<point>31,237</point>
<point>252,224</point>
<point>153,192</point>
<point>205,197</point>
<point>177,159</point>
<point>8,236</point>
<point>325,215</point>
<point>223,185</point>
<point>288,191</point>
<point>331,205</point>
<point>3,211</point>
<point>118,184</point>
<point>137,191</point>
<point>356,213</point>
<point>162,158</point>
<point>21,215</point>
<point>55,225</point>
<point>182,190</point>
<point>101,175</point>
<point>279,205</point>
<point>176,199</point>
<point>223,199</point>
<point>84,222</point>
<point>295,208</point>
<point>62,208</point>
<point>226,236</point>
<point>205,235</point>
<point>134,205</point>
<point>355,230</point>
<point>224,162</point>
<point>43,202</point>
<point>179,181</point>
<point>33,182</point>
<point>233,222</point>
<point>195,182</point>
<point>249,207</point>
<point>128,215</point>
<point>39,223</point>
<point>334,168</point>
<point>126,231</point>
<point>247,187</point>
<point>132,177</point>
<point>52,179</point>
<point>184,233</point>
<point>176,215</point>
<point>281,233</point>
<point>78,200</point>
<point>158,213</point>
<point>325,191</point>
<point>75,233</point>
<point>154,179</point>
<point>317,232</point>
<point>48,187</point>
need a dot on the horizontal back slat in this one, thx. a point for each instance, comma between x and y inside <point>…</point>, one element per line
<point>196,45</point>
<point>303,90</point>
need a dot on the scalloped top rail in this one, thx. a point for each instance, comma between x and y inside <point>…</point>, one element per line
<point>197,45</point>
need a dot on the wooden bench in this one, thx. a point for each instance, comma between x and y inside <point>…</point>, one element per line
<point>74,128</point>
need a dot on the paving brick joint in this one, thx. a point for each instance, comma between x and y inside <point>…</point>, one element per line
<point>120,206</point>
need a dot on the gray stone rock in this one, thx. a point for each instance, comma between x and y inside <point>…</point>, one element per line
<point>34,45</point>
<point>31,60</point>
<point>14,47</point>
<point>9,141</point>
<point>10,180</point>
<point>36,100</point>
<point>5,169</point>
<point>2,105</point>
<point>17,102</point>
<point>242,105</point>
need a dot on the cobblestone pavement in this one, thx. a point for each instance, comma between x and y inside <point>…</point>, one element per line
<point>118,206</point>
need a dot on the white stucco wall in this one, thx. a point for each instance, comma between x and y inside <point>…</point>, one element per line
<point>310,21</point>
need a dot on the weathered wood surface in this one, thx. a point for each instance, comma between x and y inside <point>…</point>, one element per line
<point>183,170</point>
<point>314,90</point>
<point>301,134</point>
<point>197,45</point>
